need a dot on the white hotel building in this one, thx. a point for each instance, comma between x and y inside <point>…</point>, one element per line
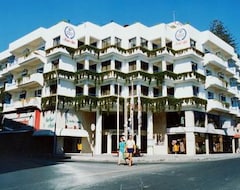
<point>174,84</point>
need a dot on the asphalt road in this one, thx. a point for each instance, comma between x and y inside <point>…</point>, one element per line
<point>16,173</point>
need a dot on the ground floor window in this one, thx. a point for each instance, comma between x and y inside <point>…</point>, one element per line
<point>177,144</point>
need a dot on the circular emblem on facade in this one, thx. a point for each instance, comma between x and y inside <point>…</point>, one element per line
<point>69,32</point>
<point>181,34</point>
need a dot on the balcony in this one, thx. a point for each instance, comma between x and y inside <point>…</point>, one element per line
<point>189,52</point>
<point>214,60</point>
<point>29,102</point>
<point>34,80</point>
<point>11,86</point>
<point>32,58</point>
<point>216,105</point>
<point>215,82</point>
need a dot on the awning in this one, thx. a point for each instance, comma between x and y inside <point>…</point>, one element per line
<point>62,132</point>
<point>72,132</point>
<point>43,132</point>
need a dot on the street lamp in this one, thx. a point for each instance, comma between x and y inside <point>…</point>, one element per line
<point>93,127</point>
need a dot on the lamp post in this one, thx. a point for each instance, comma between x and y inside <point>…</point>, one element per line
<point>55,126</point>
<point>93,127</point>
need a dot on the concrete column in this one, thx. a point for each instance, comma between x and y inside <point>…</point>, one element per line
<point>109,143</point>
<point>98,133</point>
<point>112,64</point>
<point>233,146</point>
<point>190,143</point>
<point>85,89</point>
<point>189,119</point>
<point>138,65</point>
<point>150,140</point>
<point>207,144</point>
<point>86,64</point>
<point>164,65</point>
<point>190,137</point>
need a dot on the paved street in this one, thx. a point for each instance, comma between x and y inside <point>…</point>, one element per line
<point>48,174</point>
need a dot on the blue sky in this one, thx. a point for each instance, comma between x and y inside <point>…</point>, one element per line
<point>19,17</point>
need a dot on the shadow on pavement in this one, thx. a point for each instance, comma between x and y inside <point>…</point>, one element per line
<point>11,162</point>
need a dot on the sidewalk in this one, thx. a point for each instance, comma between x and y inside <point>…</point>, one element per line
<point>148,159</point>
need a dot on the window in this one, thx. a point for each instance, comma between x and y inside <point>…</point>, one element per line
<point>38,93</point>
<point>155,69</point>
<point>192,43</point>
<point>7,98</point>
<point>93,67</point>
<point>170,67</point>
<point>24,72</point>
<point>106,65</point>
<point>80,66</point>
<point>144,90</point>
<point>132,66</point>
<point>53,89</point>
<point>208,72</point>
<point>92,91</point>
<point>40,70</point>
<point>118,42</point>
<point>210,95</point>
<point>144,43</point>
<point>222,98</point>
<point>221,75</point>
<point>22,94</point>
<point>80,43</point>
<point>105,90</point>
<point>79,91</point>
<point>144,66</point>
<point>195,90</point>
<point>55,64</point>
<point>132,90</point>
<point>118,65</point>
<point>234,102</point>
<point>133,42</point>
<point>194,66</point>
<point>56,41</point>
<point>116,89</point>
<point>106,42</point>
<point>169,44</point>
<point>170,91</point>
<point>156,92</point>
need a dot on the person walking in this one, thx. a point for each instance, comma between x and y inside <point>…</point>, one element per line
<point>121,150</point>
<point>130,149</point>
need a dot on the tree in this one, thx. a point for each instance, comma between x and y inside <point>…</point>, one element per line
<point>217,27</point>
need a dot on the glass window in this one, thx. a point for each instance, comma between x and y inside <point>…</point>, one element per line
<point>118,42</point>
<point>132,66</point>
<point>22,94</point>
<point>194,66</point>
<point>105,90</point>
<point>56,41</point>
<point>170,91</point>
<point>195,90</point>
<point>210,95</point>
<point>106,65</point>
<point>144,43</point>
<point>208,72</point>
<point>192,43</point>
<point>106,42</point>
<point>133,42</point>
<point>144,66</point>
<point>118,65</point>
<point>79,91</point>
<point>38,93</point>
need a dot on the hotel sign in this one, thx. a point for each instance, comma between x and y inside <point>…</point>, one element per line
<point>69,36</point>
<point>69,32</point>
<point>181,39</point>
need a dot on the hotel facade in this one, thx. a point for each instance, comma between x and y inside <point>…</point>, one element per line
<point>80,87</point>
